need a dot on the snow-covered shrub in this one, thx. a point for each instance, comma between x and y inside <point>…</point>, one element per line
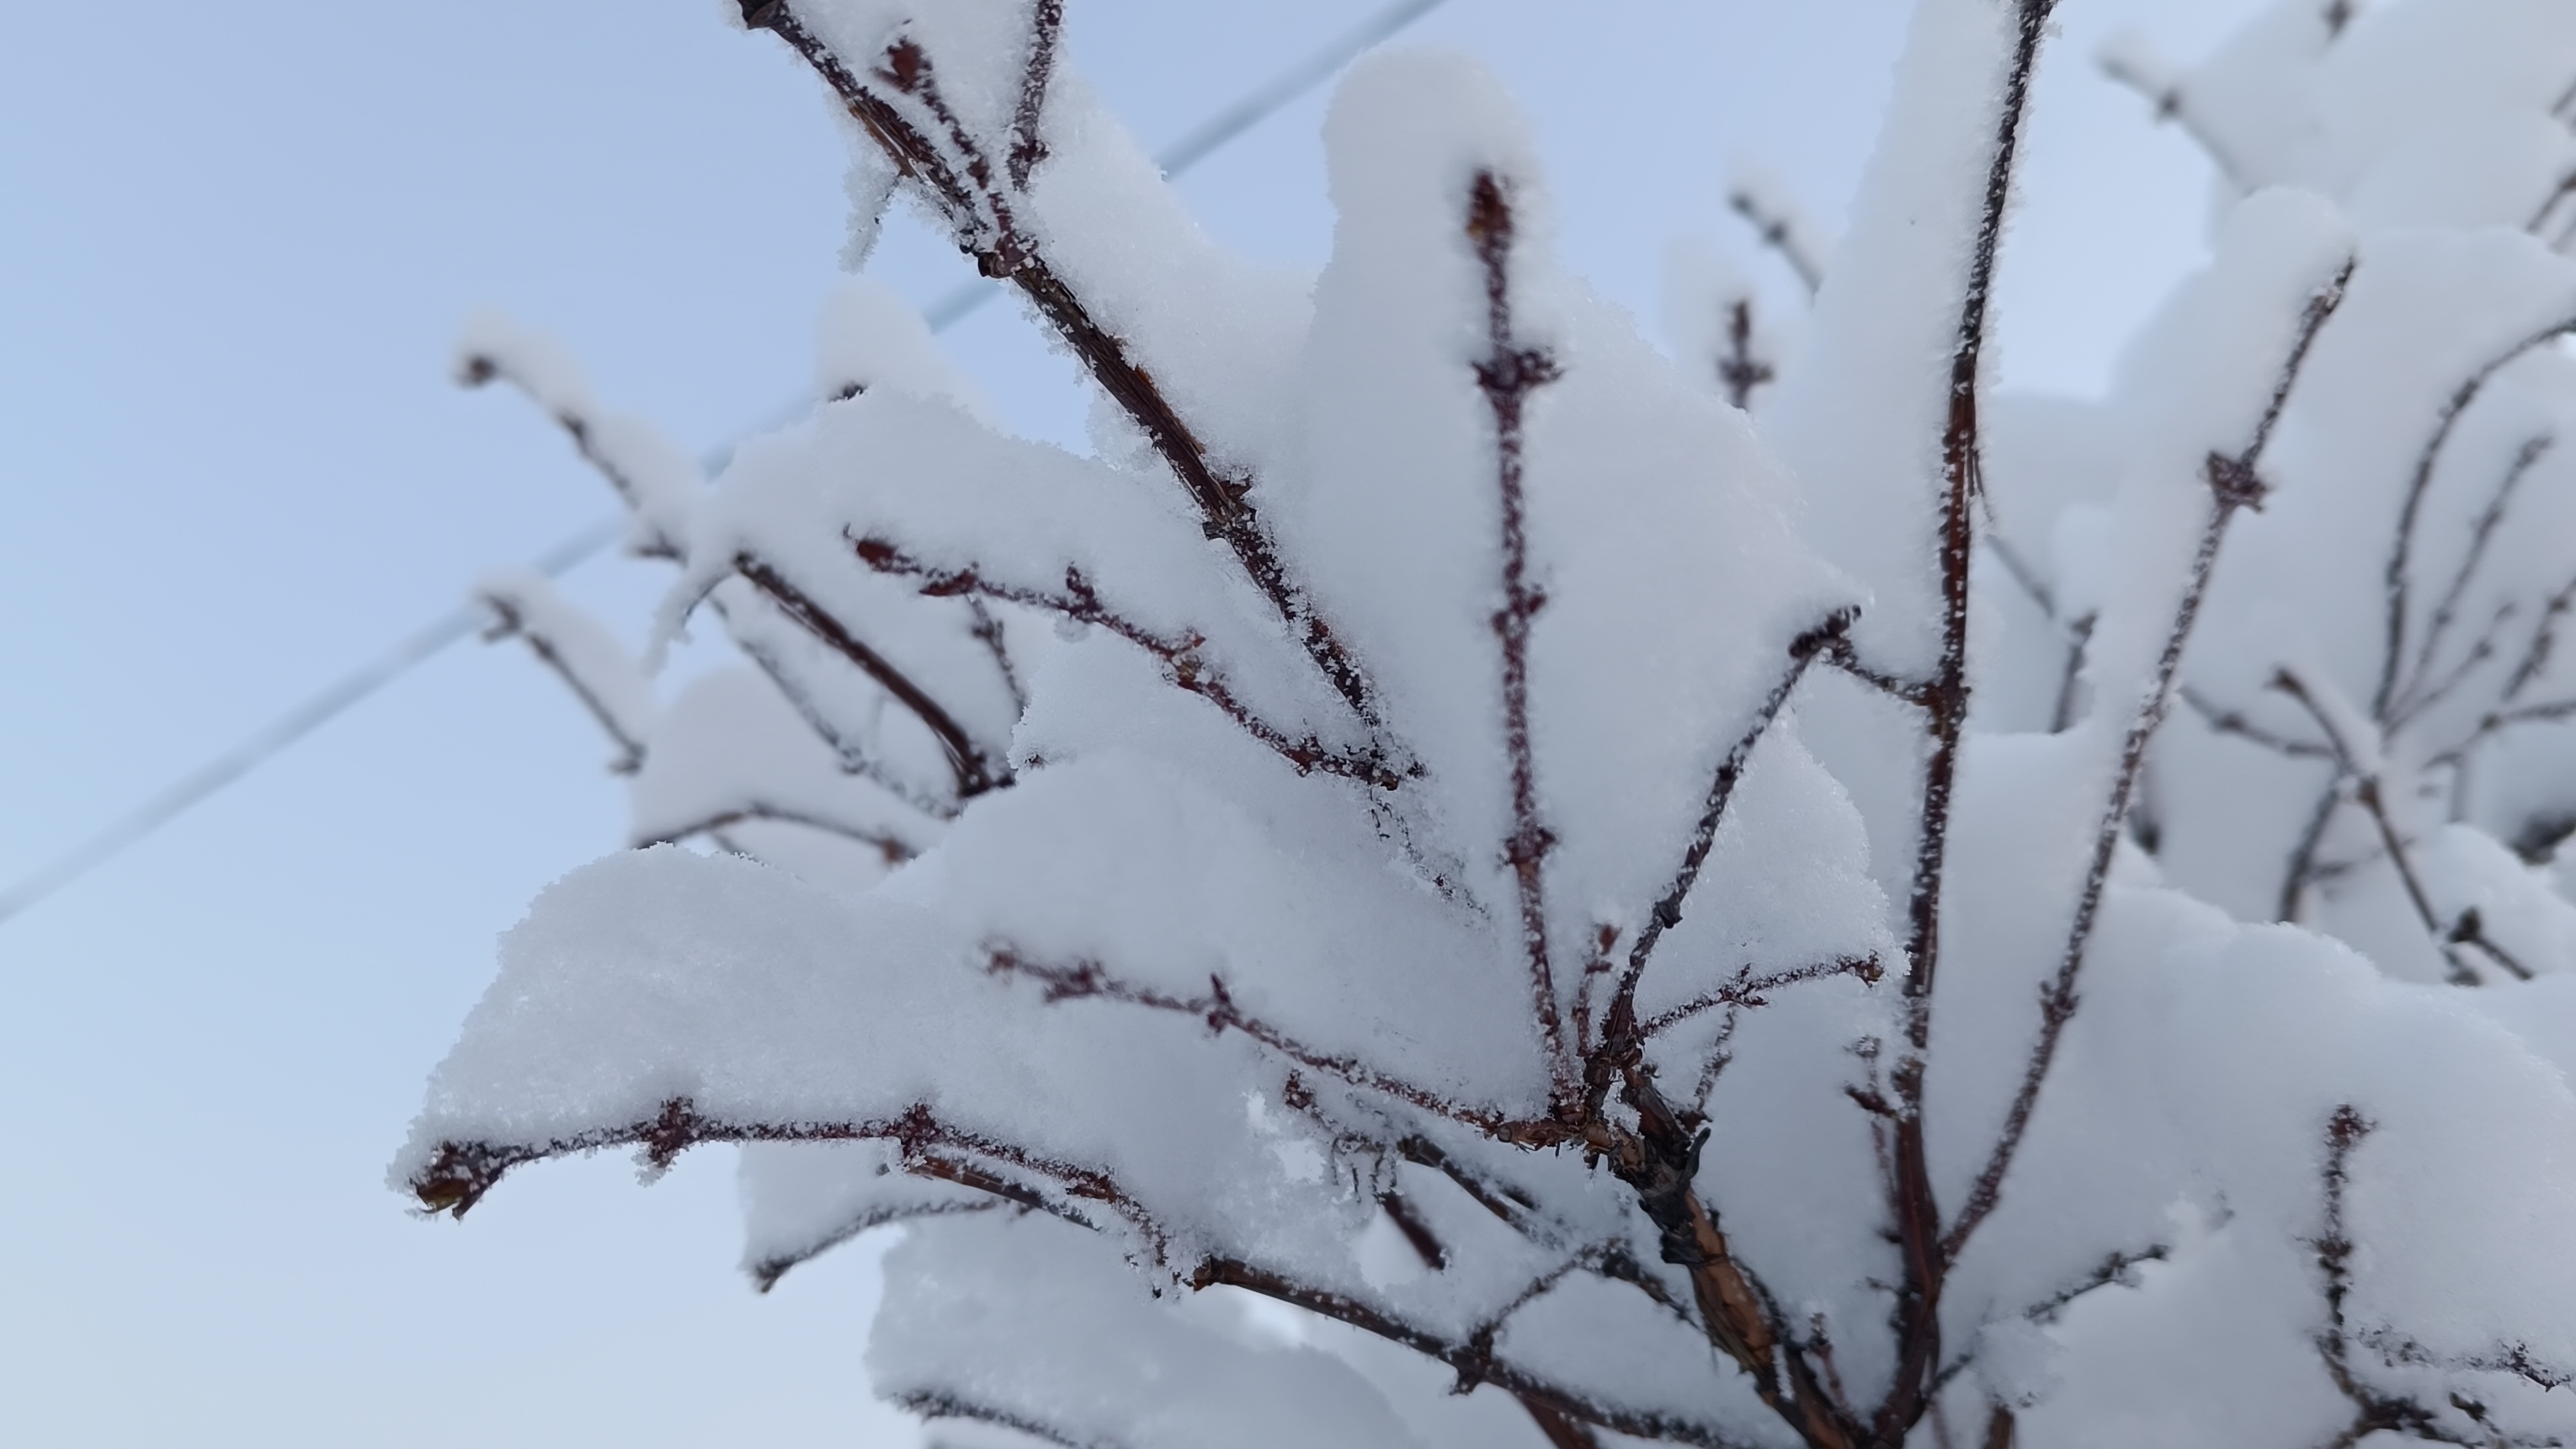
<point>1689,924</point>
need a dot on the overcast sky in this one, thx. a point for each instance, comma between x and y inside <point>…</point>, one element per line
<point>235,241</point>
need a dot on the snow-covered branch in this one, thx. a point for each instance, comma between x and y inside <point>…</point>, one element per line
<point>1615,891</point>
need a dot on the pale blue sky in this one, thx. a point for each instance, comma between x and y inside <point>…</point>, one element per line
<point>234,243</point>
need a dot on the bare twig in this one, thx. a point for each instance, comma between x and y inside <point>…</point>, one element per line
<point>1562,1430</point>
<point>460,1173</point>
<point>2303,870</point>
<point>2413,704</point>
<point>1747,989</point>
<point>509,619</point>
<point>1504,1201</point>
<point>1510,372</point>
<point>976,770</point>
<point>2164,91</point>
<point>2481,533</point>
<point>1458,1355</point>
<point>1184,667</point>
<point>1916,1314</point>
<point>1782,231</point>
<point>958,181</point>
<point>987,629</point>
<point>893,847</point>
<point>854,756</point>
<point>2470,930</point>
<point>2374,1410</point>
<point>2366,794</point>
<point>950,1404</point>
<point>2234,483</point>
<point>1667,911</point>
<point>2544,639</point>
<point>1028,146</point>
<point>766,1272</point>
<point>2401,552</point>
<point>1739,369</point>
<point>2226,721</point>
<point>480,369</point>
<point>1087,980</point>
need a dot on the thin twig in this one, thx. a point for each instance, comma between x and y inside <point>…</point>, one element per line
<point>767,1271</point>
<point>1783,233</point>
<point>977,770</point>
<point>1916,1314</point>
<point>1739,369</point>
<point>2401,552</point>
<point>1088,980</point>
<point>952,1404</point>
<point>855,757</point>
<point>2171,104</point>
<point>2481,533</point>
<point>1667,910</point>
<point>510,619</point>
<point>1747,989</point>
<point>2234,483</point>
<point>1458,1355</point>
<point>1510,372</point>
<point>985,228</point>
<point>482,368</point>
<point>1028,145</point>
<point>2544,639</point>
<point>2366,793</point>
<point>892,847</point>
<point>2222,720</point>
<point>1184,667</point>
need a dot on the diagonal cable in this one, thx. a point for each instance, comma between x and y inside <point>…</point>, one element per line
<point>273,738</point>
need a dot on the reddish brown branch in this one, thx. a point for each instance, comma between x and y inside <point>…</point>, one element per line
<point>976,770</point>
<point>1507,377</point>
<point>1562,1430</point>
<point>854,757</point>
<point>1184,667</point>
<point>1838,652</point>
<point>1659,1161</point>
<point>2234,483</point>
<point>480,369</point>
<point>1748,989</point>
<point>1514,1207</point>
<point>2373,1410</point>
<point>508,620</point>
<point>1457,1354</point>
<point>460,1173</point>
<point>1087,980</point>
<point>1666,913</point>
<point>2470,930</point>
<point>1028,145</point>
<point>980,216</point>
<point>1916,1314</point>
<point>766,1272</point>
<point>987,629</point>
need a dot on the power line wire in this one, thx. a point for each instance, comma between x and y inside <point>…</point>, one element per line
<point>273,738</point>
